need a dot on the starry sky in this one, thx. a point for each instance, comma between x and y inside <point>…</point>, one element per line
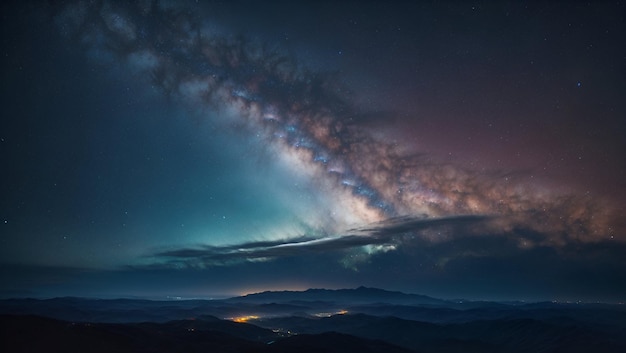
<point>202,149</point>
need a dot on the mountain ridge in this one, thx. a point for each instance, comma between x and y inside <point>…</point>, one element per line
<point>353,296</point>
<point>359,320</point>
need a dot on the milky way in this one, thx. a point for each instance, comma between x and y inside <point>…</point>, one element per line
<point>183,148</point>
<point>307,120</point>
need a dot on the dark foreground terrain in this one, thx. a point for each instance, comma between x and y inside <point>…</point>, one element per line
<point>357,320</point>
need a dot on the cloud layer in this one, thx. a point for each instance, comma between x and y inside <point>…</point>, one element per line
<point>386,235</point>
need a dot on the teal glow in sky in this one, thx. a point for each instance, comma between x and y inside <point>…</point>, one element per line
<point>182,149</point>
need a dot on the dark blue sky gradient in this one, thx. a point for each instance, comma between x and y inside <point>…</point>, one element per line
<point>455,150</point>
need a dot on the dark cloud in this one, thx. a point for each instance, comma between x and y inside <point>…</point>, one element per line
<point>401,225</point>
<point>389,232</point>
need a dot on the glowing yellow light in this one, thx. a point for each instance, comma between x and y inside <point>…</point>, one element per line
<point>342,312</point>
<point>244,318</point>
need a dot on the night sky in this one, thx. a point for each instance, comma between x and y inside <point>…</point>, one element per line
<point>458,150</point>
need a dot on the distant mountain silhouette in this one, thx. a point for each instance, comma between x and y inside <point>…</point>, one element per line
<point>38,334</point>
<point>331,342</point>
<point>517,335</point>
<point>339,296</point>
<point>315,320</point>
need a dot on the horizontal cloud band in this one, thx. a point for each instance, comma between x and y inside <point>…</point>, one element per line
<point>388,232</point>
